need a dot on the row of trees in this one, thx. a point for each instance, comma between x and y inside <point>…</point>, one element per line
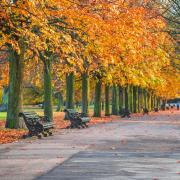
<point>123,44</point>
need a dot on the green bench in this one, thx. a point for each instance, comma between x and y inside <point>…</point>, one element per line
<point>36,124</point>
<point>77,119</point>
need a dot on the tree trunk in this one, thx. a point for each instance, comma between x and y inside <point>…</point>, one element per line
<point>145,98</point>
<point>21,123</point>
<point>158,102</point>
<point>152,101</point>
<point>163,106</point>
<point>121,100</point>
<point>102,105</point>
<point>97,100</point>
<point>155,101</point>
<point>60,102</point>
<point>126,98</point>
<point>70,91</point>
<point>16,68</point>
<point>142,99</point>
<point>4,105</point>
<point>139,99</point>
<point>148,101</point>
<point>85,94</point>
<point>114,100</point>
<point>134,99</point>
<point>130,96</point>
<point>48,105</point>
<point>107,104</point>
<point>5,96</point>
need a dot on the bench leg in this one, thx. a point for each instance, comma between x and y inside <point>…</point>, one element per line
<point>72,126</point>
<point>50,133</point>
<point>44,134</point>
<point>75,125</point>
<point>30,134</point>
<point>86,125</point>
<point>78,126</point>
<point>68,127</point>
<point>39,136</point>
<point>82,125</point>
<point>25,136</point>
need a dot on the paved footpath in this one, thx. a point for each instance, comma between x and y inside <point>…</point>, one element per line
<point>143,148</point>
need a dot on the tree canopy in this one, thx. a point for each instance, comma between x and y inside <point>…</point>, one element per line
<point>119,42</point>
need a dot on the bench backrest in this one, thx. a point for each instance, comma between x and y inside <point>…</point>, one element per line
<point>30,118</point>
<point>70,113</point>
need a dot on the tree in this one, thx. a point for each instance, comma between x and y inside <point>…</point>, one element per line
<point>114,100</point>
<point>109,43</point>
<point>107,100</point>
<point>85,94</point>
<point>18,23</point>
<point>70,91</point>
<point>97,99</point>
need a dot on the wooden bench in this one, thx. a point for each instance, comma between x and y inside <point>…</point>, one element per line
<point>126,112</point>
<point>37,124</point>
<point>77,120</point>
<point>145,111</point>
<point>156,110</point>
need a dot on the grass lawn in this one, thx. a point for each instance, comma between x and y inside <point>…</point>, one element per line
<point>3,115</point>
<point>37,110</point>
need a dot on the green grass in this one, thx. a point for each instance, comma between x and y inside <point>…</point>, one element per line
<point>3,116</point>
<point>36,109</point>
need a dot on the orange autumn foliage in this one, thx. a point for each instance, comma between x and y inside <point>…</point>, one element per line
<point>9,135</point>
<point>125,37</point>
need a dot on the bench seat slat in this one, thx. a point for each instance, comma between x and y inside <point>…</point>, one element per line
<point>85,119</point>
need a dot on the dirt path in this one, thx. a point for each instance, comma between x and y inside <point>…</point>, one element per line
<point>145,147</point>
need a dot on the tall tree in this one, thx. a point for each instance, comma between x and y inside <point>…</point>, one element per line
<point>114,100</point>
<point>107,100</point>
<point>121,99</point>
<point>97,99</point>
<point>85,94</point>
<point>70,91</point>
<point>15,89</point>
